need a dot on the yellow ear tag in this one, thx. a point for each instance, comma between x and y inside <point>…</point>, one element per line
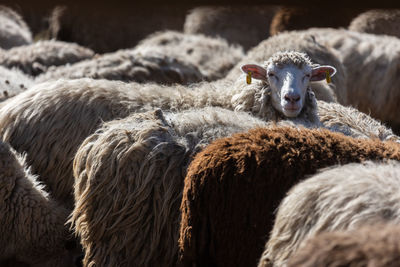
<point>328,77</point>
<point>248,77</point>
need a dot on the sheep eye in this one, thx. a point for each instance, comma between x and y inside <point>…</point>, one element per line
<point>271,74</point>
<point>308,75</point>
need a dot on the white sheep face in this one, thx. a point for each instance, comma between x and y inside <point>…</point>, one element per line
<point>288,83</point>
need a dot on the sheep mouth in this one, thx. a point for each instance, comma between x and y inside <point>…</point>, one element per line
<point>291,111</point>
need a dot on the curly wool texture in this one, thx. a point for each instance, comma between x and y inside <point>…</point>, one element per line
<point>127,212</point>
<point>243,26</point>
<point>377,21</point>
<point>13,82</point>
<point>13,29</point>
<point>305,43</point>
<point>372,64</point>
<point>338,198</point>
<point>127,65</point>
<point>218,228</point>
<point>36,58</point>
<point>31,223</point>
<point>213,56</point>
<point>351,122</point>
<point>376,245</point>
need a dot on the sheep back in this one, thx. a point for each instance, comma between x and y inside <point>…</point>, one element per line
<point>49,121</point>
<point>127,65</point>
<point>34,59</point>
<point>233,187</point>
<point>13,29</point>
<point>300,18</point>
<point>213,56</point>
<point>376,245</point>
<point>113,27</point>
<point>243,26</point>
<point>377,21</point>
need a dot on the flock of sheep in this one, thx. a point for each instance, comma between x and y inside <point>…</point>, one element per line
<point>203,147</point>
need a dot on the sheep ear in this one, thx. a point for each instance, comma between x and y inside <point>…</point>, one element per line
<point>320,73</point>
<point>257,72</point>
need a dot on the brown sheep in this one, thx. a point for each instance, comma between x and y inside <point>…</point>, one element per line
<point>35,58</point>
<point>377,245</point>
<point>236,24</point>
<point>301,18</point>
<point>377,21</point>
<point>234,186</point>
<point>32,227</point>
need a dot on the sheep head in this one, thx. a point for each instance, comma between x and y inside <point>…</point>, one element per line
<point>288,75</point>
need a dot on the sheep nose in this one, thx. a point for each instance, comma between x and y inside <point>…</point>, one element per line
<point>293,98</point>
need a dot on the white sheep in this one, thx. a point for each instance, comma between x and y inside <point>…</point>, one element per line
<point>32,227</point>
<point>377,21</point>
<point>13,29</point>
<point>163,57</point>
<point>213,56</point>
<point>337,198</point>
<point>129,181</point>
<point>372,62</point>
<point>35,58</point>
<point>50,120</point>
<point>300,42</point>
<point>128,65</point>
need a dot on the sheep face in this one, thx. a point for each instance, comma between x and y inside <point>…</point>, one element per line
<point>288,85</point>
<point>288,75</point>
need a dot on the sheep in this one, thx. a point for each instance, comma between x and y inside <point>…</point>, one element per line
<point>376,245</point>
<point>31,223</point>
<point>127,65</point>
<point>13,29</point>
<point>129,180</point>
<point>234,185</point>
<point>213,56</point>
<point>371,62</point>
<point>51,119</point>
<point>243,26</point>
<point>299,18</point>
<point>113,27</point>
<point>13,82</point>
<point>35,58</point>
<point>377,21</point>
<point>164,57</point>
<point>337,198</point>
<point>300,42</point>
